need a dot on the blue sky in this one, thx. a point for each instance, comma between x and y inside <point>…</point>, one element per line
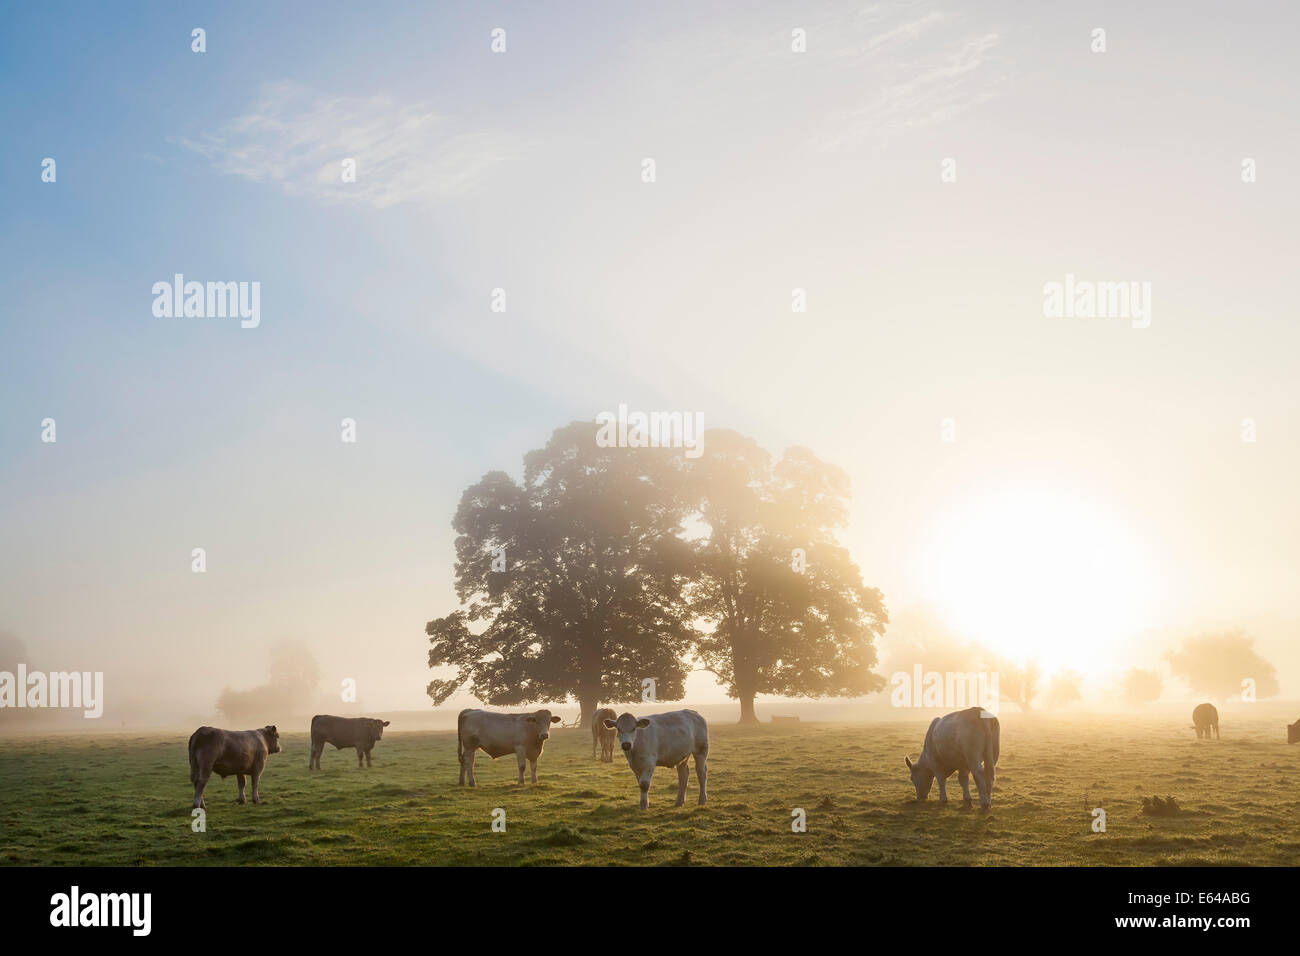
<point>521,170</point>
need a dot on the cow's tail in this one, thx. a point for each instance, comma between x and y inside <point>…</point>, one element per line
<point>194,758</point>
<point>992,741</point>
<point>460,737</point>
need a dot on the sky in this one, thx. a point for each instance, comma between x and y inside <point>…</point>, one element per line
<point>1072,489</point>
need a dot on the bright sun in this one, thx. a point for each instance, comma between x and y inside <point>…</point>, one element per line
<point>1035,572</point>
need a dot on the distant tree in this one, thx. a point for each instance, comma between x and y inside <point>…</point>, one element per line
<point>785,608</point>
<point>1018,684</point>
<point>12,653</point>
<point>571,581</point>
<point>1215,665</point>
<point>290,691</point>
<point>1064,688</point>
<point>1141,686</point>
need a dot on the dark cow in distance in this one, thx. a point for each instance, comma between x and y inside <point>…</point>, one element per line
<point>602,735</point>
<point>359,732</point>
<point>1204,719</point>
<point>966,741</point>
<point>1293,732</point>
<point>241,752</point>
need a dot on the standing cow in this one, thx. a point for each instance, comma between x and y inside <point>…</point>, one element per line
<point>1204,719</point>
<point>964,741</point>
<point>359,732</point>
<point>602,735</point>
<point>664,740</point>
<point>524,735</point>
<point>241,752</point>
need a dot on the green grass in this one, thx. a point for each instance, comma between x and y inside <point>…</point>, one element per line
<point>123,801</point>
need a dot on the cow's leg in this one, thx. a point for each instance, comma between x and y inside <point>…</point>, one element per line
<point>943,788</point>
<point>200,782</point>
<point>964,777</point>
<point>683,776</point>
<point>239,779</point>
<point>360,757</point>
<point>593,747</point>
<point>369,762</point>
<point>256,775</point>
<point>532,765</point>
<point>644,783</point>
<point>522,760</point>
<point>982,785</point>
<point>702,771</point>
<point>468,766</point>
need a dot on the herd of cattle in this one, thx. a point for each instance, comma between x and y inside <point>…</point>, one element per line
<point>964,742</point>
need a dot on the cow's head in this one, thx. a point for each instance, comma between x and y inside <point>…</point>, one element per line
<point>377,726</point>
<point>272,738</point>
<point>541,721</point>
<point>922,777</point>
<point>627,726</point>
<point>1293,732</point>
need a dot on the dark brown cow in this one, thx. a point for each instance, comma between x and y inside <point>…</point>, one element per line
<point>241,752</point>
<point>1293,732</point>
<point>1204,719</point>
<point>359,732</point>
<point>602,735</point>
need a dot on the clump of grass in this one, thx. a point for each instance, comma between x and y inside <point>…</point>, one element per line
<point>563,836</point>
<point>1157,807</point>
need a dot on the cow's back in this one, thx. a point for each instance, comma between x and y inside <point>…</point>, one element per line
<point>339,731</point>
<point>676,735</point>
<point>494,733</point>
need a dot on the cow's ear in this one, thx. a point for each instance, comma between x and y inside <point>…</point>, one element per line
<point>531,719</point>
<point>385,723</point>
<point>555,719</point>
<point>273,730</point>
<point>908,761</point>
<point>610,724</point>
<point>643,722</point>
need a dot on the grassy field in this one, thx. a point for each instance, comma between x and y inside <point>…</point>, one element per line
<point>125,801</point>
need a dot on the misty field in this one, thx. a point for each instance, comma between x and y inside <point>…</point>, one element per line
<point>123,801</point>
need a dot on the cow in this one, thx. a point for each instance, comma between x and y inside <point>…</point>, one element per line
<point>664,740</point>
<point>1204,719</point>
<point>602,735</point>
<point>965,741</point>
<point>524,735</point>
<point>241,752</point>
<point>1293,732</point>
<point>359,732</point>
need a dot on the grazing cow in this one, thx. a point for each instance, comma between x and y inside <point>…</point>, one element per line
<point>602,735</point>
<point>961,741</point>
<point>1204,719</point>
<point>1293,732</point>
<point>524,735</point>
<point>664,740</point>
<point>359,732</point>
<point>230,751</point>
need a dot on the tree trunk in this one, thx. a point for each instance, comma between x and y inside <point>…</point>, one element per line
<point>747,715</point>
<point>587,706</point>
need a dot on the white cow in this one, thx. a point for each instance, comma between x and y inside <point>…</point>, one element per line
<point>966,741</point>
<point>524,735</point>
<point>664,740</point>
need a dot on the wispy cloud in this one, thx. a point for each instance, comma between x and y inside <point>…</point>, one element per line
<point>922,71</point>
<point>298,140</point>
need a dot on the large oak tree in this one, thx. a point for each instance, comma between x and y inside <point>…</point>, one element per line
<point>786,608</point>
<point>571,581</point>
